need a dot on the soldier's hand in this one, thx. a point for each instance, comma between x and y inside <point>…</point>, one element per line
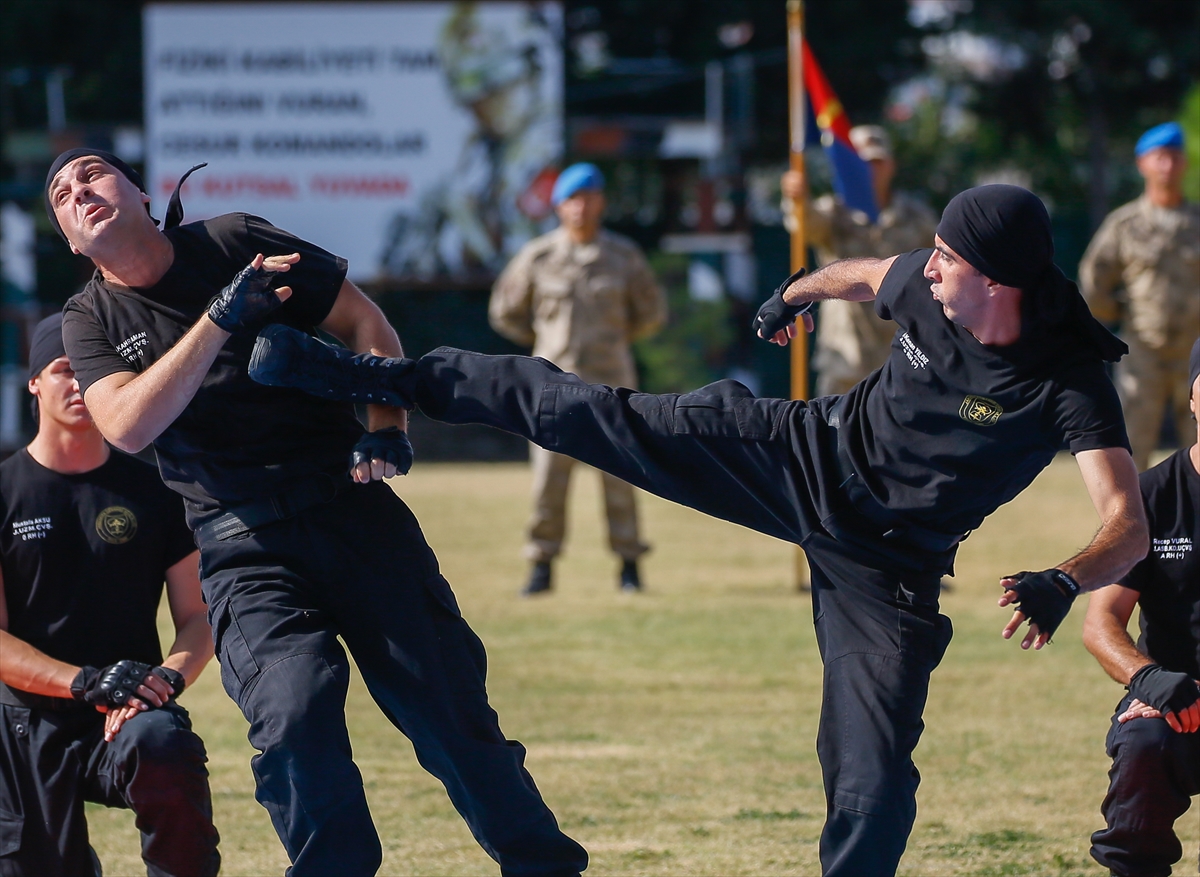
<point>249,298</point>
<point>791,184</point>
<point>381,454</point>
<point>1044,598</point>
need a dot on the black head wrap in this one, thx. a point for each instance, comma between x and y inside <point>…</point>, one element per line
<point>1004,233</point>
<point>174,206</point>
<point>46,344</point>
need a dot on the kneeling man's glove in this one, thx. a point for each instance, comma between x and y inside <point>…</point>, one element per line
<point>776,314</point>
<point>1045,597</point>
<point>172,677</point>
<point>245,301</point>
<point>287,357</point>
<point>111,686</point>
<point>1164,690</point>
<point>391,445</point>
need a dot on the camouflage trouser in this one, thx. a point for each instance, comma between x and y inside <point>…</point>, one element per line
<point>1149,381</point>
<point>547,527</point>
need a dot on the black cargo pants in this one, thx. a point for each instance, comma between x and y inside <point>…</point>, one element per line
<point>1155,774</point>
<point>53,760</point>
<point>358,566</point>
<point>760,463</point>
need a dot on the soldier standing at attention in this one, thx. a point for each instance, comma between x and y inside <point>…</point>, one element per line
<point>1142,271</point>
<point>852,341</point>
<point>579,295</point>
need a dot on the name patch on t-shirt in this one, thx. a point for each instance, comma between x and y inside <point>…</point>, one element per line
<point>980,410</point>
<point>916,356</point>
<point>32,528</point>
<point>1172,549</point>
<point>131,347</point>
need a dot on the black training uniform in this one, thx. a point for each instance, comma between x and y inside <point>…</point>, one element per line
<point>1155,771</point>
<point>878,487</point>
<point>84,558</point>
<point>327,558</point>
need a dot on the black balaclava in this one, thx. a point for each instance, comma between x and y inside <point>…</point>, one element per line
<point>174,206</point>
<point>1004,233</point>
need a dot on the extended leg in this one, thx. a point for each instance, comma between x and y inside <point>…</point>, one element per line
<point>718,450</point>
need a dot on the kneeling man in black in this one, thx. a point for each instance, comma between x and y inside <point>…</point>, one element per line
<point>1154,740</point>
<point>996,366</point>
<point>88,707</point>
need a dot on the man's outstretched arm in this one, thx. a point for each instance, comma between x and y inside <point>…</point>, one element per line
<point>1122,540</point>
<point>847,280</point>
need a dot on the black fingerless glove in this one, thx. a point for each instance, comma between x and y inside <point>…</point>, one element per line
<point>1163,689</point>
<point>246,301</point>
<point>390,445</point>
<point>1045,597</point>
<point>111,686</point>
<point>172,677</point>
<point>776,314</point>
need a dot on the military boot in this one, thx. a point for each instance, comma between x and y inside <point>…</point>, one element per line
<point>287,357</point>
<point>540,579</point>
<point>630,580</point>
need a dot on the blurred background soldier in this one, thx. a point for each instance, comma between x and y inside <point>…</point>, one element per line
<point>852,341</point>
<point>1142,272</point>
<point>579,295</point>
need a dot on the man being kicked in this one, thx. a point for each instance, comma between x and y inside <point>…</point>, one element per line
<point>296,556</point>
<point>996,365</point>
<point>1154,740</point>
<point>87,701</point>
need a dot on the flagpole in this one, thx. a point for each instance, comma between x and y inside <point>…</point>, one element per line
<point>797,120</point>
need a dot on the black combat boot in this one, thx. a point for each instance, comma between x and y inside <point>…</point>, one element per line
<point>287,357</point>
<point>631,581</point>
<point>540,580</point>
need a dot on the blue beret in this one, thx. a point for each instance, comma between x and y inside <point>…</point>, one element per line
<point>577,178</point>
<point>1167,134</point>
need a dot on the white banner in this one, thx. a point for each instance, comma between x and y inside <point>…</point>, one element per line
<point>418,140</point>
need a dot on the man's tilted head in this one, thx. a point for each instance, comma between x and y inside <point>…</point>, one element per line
<point>1001,231</point>
<point>72,155</point>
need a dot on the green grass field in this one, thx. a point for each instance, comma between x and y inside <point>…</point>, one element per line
<point>673,732</point>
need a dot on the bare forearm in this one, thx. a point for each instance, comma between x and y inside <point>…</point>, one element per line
<point>1109,642</point>
<point>1119,544</point>
<point>192,649</point>
<point>847,280</point>
<point>133,413</point>
<point>27,669</point>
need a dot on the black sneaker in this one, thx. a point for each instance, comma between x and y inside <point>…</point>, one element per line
<point>630,580</point>
<point>540,580</point>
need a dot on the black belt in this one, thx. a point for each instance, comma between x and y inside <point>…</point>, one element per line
<point>16,697</point>
<point>892,526</point>
<point>304,494</point>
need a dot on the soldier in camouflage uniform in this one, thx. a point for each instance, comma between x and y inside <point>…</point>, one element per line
<point>852,341</point>
<point>579,295</point>
<point>1142,272</point>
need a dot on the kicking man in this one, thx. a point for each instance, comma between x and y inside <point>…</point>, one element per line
<point>995,367</point>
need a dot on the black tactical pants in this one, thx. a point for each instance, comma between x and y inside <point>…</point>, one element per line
<point>51,761</point>
<point>358,567</point>
<point>760,463</point>
<point>1155,774</point>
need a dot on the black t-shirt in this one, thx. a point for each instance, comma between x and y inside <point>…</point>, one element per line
<point>84,557</point>
<point>236,441</point>
<point>950,429</point>
<point>1168,578</point>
